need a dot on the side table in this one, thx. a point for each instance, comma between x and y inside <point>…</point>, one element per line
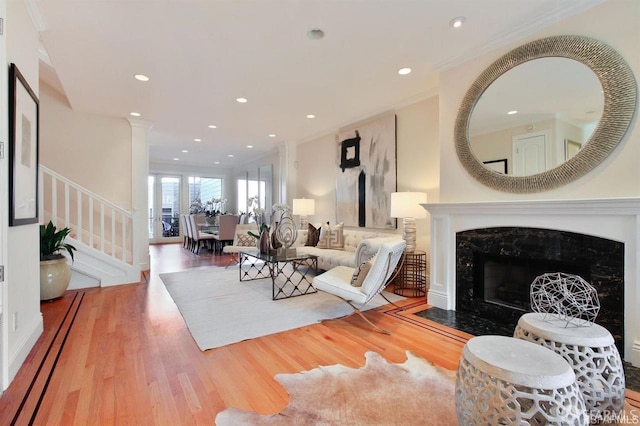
<point>411,280</point>
<point>591,352</point>
<point>507,381</point>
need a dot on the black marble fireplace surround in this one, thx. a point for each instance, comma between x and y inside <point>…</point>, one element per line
<point>528,252</point>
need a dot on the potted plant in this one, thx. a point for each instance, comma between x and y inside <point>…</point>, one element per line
<point>55,273</point>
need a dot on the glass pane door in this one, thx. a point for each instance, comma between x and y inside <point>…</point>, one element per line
<point>164,209</point>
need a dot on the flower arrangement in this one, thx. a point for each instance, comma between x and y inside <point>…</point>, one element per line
<point>196,206</point>
<point>216,207</point>
<point>281,210</point>
<point>281,207</point>
<point>254,207</point>
<point>213,207</point>
<point>261,228</point>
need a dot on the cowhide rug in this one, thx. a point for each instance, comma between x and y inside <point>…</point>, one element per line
<point>415,392</point>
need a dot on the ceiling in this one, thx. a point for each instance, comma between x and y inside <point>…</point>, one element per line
<point>200,55</point>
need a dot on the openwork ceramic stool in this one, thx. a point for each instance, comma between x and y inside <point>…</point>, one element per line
<point>507,381</point>
<point>589,350</point>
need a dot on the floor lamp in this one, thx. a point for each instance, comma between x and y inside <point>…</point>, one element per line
<point>304,207</point>
<point>407,206</point>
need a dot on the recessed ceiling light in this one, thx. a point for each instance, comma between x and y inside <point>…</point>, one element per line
<point>242,100</point>
<point>404,71</point>
<point>185,151</point>
<point>512,112</point>
<point>135,114</point>
<point>230,155</point>
<point>175,159</point>
<point>457,22</point>
<point>311,116</point>
<point>216,162</point>
<point>315,34</point>
<point>212,126</point>
<point>249,146</point>
<point>272,135</point>
<point>197,140</point>
<point>141,77</point>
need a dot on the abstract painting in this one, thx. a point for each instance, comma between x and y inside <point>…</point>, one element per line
<point>366,174</point>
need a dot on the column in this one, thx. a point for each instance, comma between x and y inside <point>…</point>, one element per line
<point>140,130</point>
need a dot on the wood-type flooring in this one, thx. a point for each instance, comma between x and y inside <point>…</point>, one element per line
<point>123,356</point>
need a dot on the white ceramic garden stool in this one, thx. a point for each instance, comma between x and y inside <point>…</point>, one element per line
<point>590,350</point>
<point>507,381</point>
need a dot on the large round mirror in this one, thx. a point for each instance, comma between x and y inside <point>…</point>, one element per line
<point>545,114</point>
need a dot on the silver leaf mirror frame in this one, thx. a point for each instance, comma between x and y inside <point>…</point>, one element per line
<point>620,93</point>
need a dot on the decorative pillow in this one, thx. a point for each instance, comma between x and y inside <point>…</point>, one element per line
<point>313,235</point>
<point>324,231</point>
<point>245,240</point>
<point>332,238</point>
<point>361,272</point>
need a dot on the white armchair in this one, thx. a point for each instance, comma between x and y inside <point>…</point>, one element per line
<point>337,281</point>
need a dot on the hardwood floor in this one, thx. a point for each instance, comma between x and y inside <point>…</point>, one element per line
<point>123,355</point>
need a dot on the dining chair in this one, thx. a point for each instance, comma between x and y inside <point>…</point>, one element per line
<point>185,231</point>
<point>198,236</point>
<point>226,231</point>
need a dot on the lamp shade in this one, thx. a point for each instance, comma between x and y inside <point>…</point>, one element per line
<point>407,204</point>
<point>304,206</point>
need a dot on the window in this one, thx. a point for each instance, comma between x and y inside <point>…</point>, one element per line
<point>203,190</point>
<point>250,188</point>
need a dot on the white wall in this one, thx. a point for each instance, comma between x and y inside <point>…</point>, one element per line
<point>618,176</point>
<point>418,165</point>
<point>22,272</point>
<point>92,150</point>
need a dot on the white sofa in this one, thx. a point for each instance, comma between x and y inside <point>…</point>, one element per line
<point>359,246</point>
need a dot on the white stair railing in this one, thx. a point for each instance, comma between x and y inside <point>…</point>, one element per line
<point>94,221</point>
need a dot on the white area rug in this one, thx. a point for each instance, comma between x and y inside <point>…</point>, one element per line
<point>220,310</point>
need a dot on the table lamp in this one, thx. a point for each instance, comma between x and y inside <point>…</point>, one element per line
<point>407,206</point>
<point>304,207</point>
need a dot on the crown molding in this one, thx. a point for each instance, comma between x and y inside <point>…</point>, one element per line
<point>535,23</point>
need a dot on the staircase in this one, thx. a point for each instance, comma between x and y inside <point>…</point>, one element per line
<point>101,231</point>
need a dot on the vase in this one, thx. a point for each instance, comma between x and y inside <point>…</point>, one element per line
<point>55,276</point>
<point>263,242</point>
<point>275,243</point>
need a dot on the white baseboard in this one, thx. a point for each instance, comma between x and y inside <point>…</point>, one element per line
<point>634,358</point>
<point>438,299</point>
<point>81,280</point>
<point>17,358</point>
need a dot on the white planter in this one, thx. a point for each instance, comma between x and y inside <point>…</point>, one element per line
<point>55,276</point>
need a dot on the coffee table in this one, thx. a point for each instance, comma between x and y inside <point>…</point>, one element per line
<point>285,281</point>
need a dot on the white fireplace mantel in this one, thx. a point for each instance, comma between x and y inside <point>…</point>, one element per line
<point>616,219</point>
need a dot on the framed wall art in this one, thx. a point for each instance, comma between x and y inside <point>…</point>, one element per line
<point>499,166</point>
<point>366,174</point>
<point>23,150</point>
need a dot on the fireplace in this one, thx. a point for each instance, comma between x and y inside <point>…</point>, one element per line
<point>496,266</point>
<point>614,220</point>
<point>505,281</point>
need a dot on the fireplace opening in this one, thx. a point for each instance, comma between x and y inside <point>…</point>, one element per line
<point>512,257</point>
<point>506,280</point>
